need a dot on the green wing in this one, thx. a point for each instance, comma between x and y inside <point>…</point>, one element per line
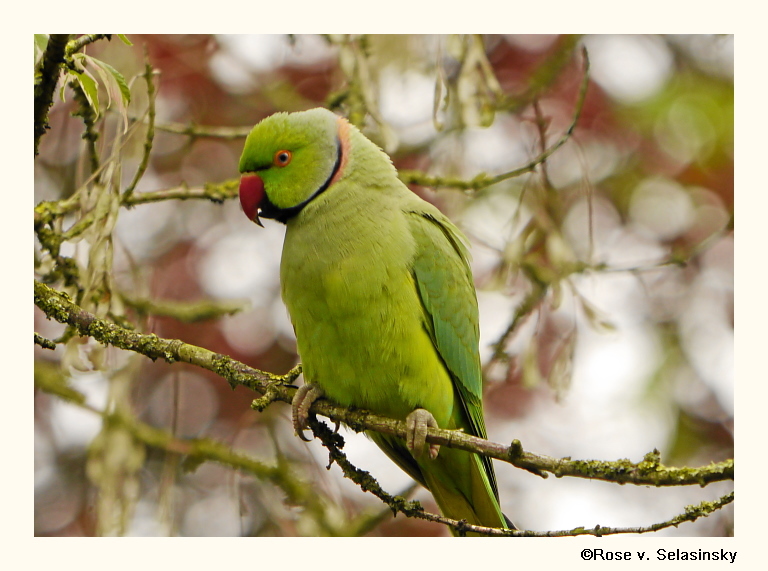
<point>462,483</point>
<point>444,282</point>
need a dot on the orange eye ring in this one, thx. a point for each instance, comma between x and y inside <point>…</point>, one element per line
<point>282,158</point>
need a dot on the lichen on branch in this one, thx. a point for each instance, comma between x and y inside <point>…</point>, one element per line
<point>649,471</point>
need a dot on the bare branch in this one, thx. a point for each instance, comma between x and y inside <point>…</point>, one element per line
<point>482,180</point>
<point>148,75</point>
<point>204,132</point>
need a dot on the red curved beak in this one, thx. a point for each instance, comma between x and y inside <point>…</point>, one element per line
<point>251,195</point>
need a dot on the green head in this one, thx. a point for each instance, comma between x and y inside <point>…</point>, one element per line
<point>288,159</point>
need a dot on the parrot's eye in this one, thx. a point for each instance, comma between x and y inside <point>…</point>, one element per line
<point>282,158</point>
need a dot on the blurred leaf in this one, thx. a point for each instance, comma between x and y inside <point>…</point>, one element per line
<point>441,98</point>
<point>41,42</point>
<point>111,76</point>
<point>562,365</point>
<point>90,89</point>
<point>556,298</point>
<point>50,378</point>
<point>187,311</point>
<point>597,319</point>
<point>113,80</point>
<point>124,39</point>
<point>530,366</point>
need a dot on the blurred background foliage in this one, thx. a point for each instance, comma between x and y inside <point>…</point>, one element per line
<point>604,275</point>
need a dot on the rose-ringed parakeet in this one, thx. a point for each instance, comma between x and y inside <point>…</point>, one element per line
<point>380,294</point>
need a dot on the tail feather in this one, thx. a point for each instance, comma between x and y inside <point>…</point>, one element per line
<point>458,481</point>
<point>462,490</point>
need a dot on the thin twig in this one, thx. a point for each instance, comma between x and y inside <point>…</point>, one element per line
<point>218,193</point>
<point>44,342</point>
<point>541,125</point>
<point>482,180</point>
<point>202,132</point>
<point>74,46</point>
<point>46,212</point>
<point>531,301</point>
<point>543,77</point>
<point>148,73</point>
<point>89,117</point>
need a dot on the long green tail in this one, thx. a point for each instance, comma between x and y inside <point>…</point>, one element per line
<point>457,480</point>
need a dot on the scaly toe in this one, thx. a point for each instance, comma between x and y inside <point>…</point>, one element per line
<point>416,437</point>
<point>302,401</point>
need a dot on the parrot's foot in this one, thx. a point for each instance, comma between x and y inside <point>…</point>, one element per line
<point>417,423</point>
<point>302,400</point>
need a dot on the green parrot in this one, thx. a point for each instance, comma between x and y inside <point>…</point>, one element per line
<point>379,291</point>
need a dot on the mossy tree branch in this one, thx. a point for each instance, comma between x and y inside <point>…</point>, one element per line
<point>45,83</point>
<point>215,192</point>
<point>74,46</point>
<point>49,379</point>
<point>48,211</point>
<point>87,113</point>
<point>196,450</point>
<point>58,52</point>
<point>398,504</point>
<point>45,212</point>
<point>649,471</point>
